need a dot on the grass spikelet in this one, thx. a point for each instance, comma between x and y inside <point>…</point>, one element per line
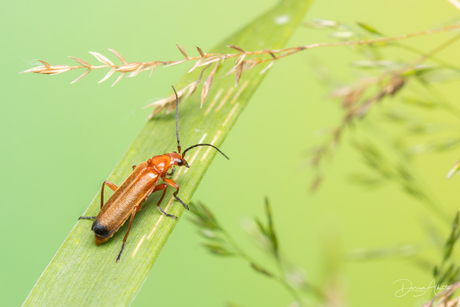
<point>207,85</point>
<point>454,170</point>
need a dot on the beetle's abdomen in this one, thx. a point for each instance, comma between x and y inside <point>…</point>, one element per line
<point>100,229</point>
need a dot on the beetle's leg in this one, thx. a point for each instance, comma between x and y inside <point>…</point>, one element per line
<point>173,170</point>
<point>110,185</point>
<point>87,217</point>
<point>176,186</point>
<point>158,188</point>
<point>135,209</point>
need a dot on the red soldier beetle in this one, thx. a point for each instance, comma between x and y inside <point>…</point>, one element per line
<point>143,181</point>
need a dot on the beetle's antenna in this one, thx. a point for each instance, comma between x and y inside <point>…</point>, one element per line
<point>183,155</point>
<point>177,120</point>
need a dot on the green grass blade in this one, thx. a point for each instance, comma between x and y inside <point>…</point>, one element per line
<point>82,274</point>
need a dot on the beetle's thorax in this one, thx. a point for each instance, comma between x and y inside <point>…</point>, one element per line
<point>161,163</point>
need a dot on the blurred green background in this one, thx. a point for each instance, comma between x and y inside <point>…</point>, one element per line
<point>60,141</point>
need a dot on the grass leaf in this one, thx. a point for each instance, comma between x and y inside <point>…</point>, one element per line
<point>271,229</point>
<point>261,270</point>
<point>89,273</point>
<point>369,28</point>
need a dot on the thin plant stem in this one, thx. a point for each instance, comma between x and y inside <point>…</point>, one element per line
<point>280,279</point>
<point>441,99</point>
<point>438,49</point>
<point>434,59</point>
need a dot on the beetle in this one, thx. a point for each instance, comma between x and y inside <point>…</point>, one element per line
<point>137,187</point>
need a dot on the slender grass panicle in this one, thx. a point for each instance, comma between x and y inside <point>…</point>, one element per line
<point>245,61</point>
<point>444,299</point>
<point>358,99</point>
<point>219,242</point>
<point>372,119</point>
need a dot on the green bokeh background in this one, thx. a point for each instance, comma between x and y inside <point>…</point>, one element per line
<point>60,141</point>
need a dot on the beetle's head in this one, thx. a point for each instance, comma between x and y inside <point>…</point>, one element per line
<point>178,160</point>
